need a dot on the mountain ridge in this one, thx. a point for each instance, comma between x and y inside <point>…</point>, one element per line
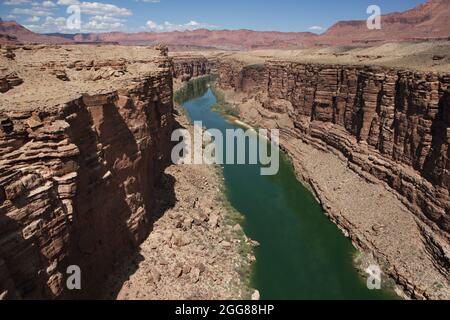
<point>426,21</point>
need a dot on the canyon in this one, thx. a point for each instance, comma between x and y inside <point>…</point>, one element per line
<point>85,155</point>
<point>389,126</point>
<point>385,121</point>
<point>86,180</point>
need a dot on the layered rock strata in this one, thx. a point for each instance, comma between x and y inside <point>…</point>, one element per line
<point>187,67</point>
<point>78,180</point>
<point>390,127</point>
<point>392,124</point>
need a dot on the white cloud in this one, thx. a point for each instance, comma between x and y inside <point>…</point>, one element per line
<point>38,12</point>
<point>154,26</point>
<point>37,9</point>
<point>97,25</point>
<point>95,16</point>
<point>48,4</point>
<point>15,2</point>
<point>97,8</point>
<point>67,2</point>
<point>50,24</point>
<point>316,28</point>
<point>103,23</point>
<point>104,9</point>
<point>94,24</point>
<point>168,26</point>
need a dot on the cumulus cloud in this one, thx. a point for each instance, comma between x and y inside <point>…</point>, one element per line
<point>67,2</point>
<point>35,11</point>
<point>316,28</point>
<point>104,9</point>
<point>15,2</point>
<point>45,16</point>
<point>168,26</point>
<point>50,24</point>
<point>94,24</point>
<point>48,4</point>
<point>88,8</point>
<point>93,8</point>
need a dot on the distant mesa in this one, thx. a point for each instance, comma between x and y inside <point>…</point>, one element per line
<point>12,32</point>
<point>424,22</point>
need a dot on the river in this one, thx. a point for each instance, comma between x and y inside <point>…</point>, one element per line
<point>302,255</point>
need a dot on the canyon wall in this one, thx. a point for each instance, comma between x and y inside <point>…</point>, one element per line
<point>187,67</point>
<point>390,124</point>
<point>78,185</point>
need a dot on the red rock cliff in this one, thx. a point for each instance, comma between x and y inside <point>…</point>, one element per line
<point>188,67</point>
<point>391,124</point>
<point>77,185</point>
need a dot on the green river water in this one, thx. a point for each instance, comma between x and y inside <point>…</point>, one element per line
<point>302,254</point>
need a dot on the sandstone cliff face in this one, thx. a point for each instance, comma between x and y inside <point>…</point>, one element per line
<point>77,185</point>
<point>186,68</point>
<point>391,124</point>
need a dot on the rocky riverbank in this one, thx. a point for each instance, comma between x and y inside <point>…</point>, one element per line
<point>368,211</point>
<point>388,128</point>
<point>196,250</point>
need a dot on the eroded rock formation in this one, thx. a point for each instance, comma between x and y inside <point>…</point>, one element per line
<point>393,124</point>
<point>77,184</point>
<point>8,80</point>
<point>187,67</point>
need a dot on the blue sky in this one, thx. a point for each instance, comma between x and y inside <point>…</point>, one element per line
<point>169,15</point>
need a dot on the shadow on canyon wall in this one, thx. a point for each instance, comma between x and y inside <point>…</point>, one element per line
<point>166,199</point>
<point>91,205</point>
<point>119,190</point>
<point>439,132</point>
<point>129,264</point>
